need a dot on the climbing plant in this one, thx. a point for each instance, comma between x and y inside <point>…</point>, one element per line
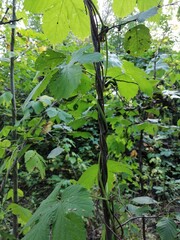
<point>93,117</point>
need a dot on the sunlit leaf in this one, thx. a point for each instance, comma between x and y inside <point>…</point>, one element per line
<point>23,213</point>
<point>39,6</point>
<point>139,76</point>
<point>63,17</point>
<point>128,90</point>
<point>145,5</point>
<point>123,8</point>
<point>90,177</point>
<point>137,40</point>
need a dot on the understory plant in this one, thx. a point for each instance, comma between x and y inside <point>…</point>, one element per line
<point>89,126</point>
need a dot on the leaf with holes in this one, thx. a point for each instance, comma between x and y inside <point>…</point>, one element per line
<point>137,40</point>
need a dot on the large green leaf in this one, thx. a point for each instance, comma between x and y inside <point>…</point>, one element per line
<point>61,215</point>
<point>145,5</point>
<point>38,6</point>
<point>90,177</point>
<point>127,90</point>
<point>76,199</point>
<point>60,17</point>
<point>72,225</point>
<point>65,81</point>
<point>82,56</point>
<point>127,85</point>
<point>122,8</point>
<point>34,161</point>
<point>167,229</point>
<point>139,76</point>
<point>137,40</point>
<point>63,17</point>
<point>124,82</point>
<point>49,59</point>
<point>140,17</point>
<point>117,167</point>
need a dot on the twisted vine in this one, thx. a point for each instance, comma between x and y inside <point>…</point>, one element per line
<point>97,37</point>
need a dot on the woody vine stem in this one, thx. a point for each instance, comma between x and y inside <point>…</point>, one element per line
<point>97,37</point>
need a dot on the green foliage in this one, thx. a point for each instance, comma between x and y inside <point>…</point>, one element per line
<point>55,152</point>
<point>57,120</point>
<point>144,5</point>
<point>144,200</point>
<point>137,40</point>
<point>62,84</point>
<point>55,15</point>
<point>90,177</point>
<point>132,78</point>
<point>166,228</point>
<point>123,8</point>
<point>49,59</point>
<point>5,99</point>
<point>23,214</point>
<point>61,219</point>
<point>34,161</point>
<point>4,144</point>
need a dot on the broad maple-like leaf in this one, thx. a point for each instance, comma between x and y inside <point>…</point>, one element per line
<point>61,217</point>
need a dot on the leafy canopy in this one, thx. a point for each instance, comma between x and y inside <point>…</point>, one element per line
<point>55,15</point>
